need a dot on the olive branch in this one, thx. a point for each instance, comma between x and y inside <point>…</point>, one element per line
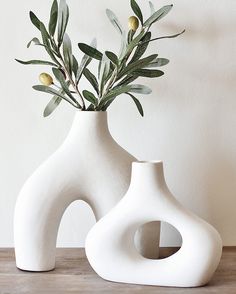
<point>116,72</point>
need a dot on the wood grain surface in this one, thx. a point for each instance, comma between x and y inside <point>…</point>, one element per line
<point>73,274</point>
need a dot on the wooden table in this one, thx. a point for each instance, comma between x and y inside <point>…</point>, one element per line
<point>73,274</point>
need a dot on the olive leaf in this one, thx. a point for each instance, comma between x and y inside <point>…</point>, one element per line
<point>35,41</point>
<point>138,64</point>
<point>165,37</point>
<point>114,20</point>
<point>45,37</point>
<point>158,62</point>
<point>50,90</point>
<point>67,53</point>
<point>136,9</point>
<point>141,89</point>
<point>90,51</point>
<point>61,79</point>
<point>152,8</point>
<point>127,80</point>
<point>158,15</point>
<point>114,93</point>
<point>99,68</point>
<point>52,105</point>
<point>36,62</point>
<point>92,79</point>
<point>123,45</point>
<point>63,17</point>
<point>85,62</point>
<point>35,21</point>
<point>113,57</point>
<point>148,73</point>
<point>75,66</point>
<point>53,18</point>
<point>137,103</point>
<point>90,97</point>
<point>45,34</point>
<point>110,72</point>
<point>104,72</point>
<point>141,49</point>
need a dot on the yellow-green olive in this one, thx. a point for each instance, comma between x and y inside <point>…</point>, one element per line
<point>133,23</point>
<point>46,79</point>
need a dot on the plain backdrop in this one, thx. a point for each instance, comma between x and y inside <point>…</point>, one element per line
<point>190,118</point>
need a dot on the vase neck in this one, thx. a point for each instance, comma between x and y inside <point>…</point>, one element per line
<point>89,125</point>
<point>148,176</point>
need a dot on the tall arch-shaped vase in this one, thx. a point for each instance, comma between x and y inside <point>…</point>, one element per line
<point>89,166</point>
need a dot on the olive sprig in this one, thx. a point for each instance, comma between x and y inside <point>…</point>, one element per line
<point>116,72</point>
<point>64,64</point>
<point>130,66</point>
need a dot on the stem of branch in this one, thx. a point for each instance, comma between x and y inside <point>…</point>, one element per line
<point>73,84</point>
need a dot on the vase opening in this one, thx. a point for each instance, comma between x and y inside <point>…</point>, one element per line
<point>150,162</point>
<point>149,165</point>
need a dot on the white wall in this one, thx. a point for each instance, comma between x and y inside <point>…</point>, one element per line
<point>190,119</point>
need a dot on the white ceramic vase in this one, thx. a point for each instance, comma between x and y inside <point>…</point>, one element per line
<point>89,166</point>
<point>110,244</point>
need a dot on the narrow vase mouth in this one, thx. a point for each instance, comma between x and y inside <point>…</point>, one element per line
<point>148,162</point>
<point>100,112</point>
<point>83,114</point>
<point>147,165</point>
<point>148,173</point>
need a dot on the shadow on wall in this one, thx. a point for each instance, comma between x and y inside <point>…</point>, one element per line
<point>207,104</point>
<point>220,182</point>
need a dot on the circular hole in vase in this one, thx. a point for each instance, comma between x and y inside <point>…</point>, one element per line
<point>157,240</point>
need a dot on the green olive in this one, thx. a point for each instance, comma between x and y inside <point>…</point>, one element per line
<point>133,23</point>
<point>46,79</point>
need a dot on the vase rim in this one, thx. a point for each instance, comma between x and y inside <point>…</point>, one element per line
<point>92,112</point>
<point>148,162</point>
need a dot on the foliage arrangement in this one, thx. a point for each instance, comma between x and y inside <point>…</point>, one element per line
<point>116,72</point>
